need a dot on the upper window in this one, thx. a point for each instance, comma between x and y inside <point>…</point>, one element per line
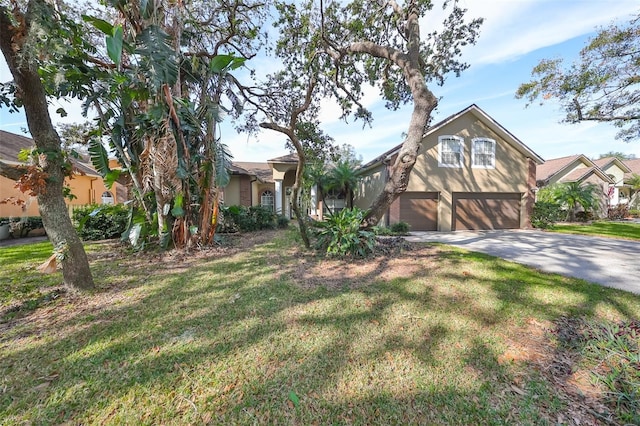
<point>450,151</point>
<point>483,152</point>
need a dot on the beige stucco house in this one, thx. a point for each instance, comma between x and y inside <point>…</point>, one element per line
<point>471,173</point>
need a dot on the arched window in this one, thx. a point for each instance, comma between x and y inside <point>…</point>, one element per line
<point>107,198</point>
<point>267,200</point>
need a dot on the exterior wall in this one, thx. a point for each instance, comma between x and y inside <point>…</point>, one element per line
<point>618,177</point>
<point>370,185</point>
<point>602,191</point>
<point>87,190</point>
<point>232,191</point>
<point>511,173</point>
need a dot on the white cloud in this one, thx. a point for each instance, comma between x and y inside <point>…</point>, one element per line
<point>514,28</point>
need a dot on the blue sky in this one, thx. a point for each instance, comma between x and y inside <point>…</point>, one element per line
<point>516,35</point>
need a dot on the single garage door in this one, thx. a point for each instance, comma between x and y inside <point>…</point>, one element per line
<point>420,210</point>
<point>492,210</point>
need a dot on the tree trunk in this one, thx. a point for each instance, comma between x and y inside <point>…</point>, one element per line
<point>55,217</point>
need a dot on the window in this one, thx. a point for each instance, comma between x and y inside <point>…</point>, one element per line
<point>450,151</point>
<point>107,198</point>
<point>483,152</point>
<point>267,199</point>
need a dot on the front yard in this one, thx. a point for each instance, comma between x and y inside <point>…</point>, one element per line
<point>626,230</point>
<point>258,332</point>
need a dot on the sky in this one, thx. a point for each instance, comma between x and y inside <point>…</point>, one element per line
<point>515,36</point>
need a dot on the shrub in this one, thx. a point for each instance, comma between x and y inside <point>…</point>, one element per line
<point>101,222</point>
<point>340,234</point>
<point>545,214</point>
<point>282,221</point>
<point>618,212</point>
<point>634,213</point>
<point>399,228</point>
<point>20,226</point>
<point>585,216</point>
<point>247,219</point>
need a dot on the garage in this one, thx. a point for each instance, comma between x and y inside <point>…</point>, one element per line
<point>418,209</point>
<point>473,210</point>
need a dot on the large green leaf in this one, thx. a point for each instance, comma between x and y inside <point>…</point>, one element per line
<point>100,24</point>
<point>222,164</point>
<point>100,161</point>
<point>114,45</point>
<point>159,60</point>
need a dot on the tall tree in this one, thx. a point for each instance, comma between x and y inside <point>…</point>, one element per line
<point>379,43</point>
<point>20,30</point>
<point>619,155</point>
<point>603,85</point>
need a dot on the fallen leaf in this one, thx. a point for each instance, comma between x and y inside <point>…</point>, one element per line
<point>518,390</point>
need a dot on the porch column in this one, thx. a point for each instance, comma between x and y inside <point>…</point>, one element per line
<point>278,183</point>
<point>313,211</point>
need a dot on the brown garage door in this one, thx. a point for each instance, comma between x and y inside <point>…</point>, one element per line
<point>486,210</point>
<point>420,210</point>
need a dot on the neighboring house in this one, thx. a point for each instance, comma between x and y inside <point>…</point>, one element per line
<point>631,195</point>
<point>86,185</point>
<point>578,168</point>
<point>471,173</point>
<point>616,170</point>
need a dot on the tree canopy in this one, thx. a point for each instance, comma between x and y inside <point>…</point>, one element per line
<point>602,85</point>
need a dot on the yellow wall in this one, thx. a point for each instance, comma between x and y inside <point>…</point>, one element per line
<point>87,189</point>
<point>232,191</point>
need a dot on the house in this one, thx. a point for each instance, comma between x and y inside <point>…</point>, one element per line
<point>86,184</point>
<point>616,170</point>
<point>578,168</point>
<point>267,184</point>
<point>471,173</point>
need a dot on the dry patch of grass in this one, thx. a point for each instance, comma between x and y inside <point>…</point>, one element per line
<point>258,331</point>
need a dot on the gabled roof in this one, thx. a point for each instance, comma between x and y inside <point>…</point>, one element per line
<point>634,167</point>
<point>289,158</point>
<point>11,145</point>
<point>561,168</point>
<point>262,171</point>
<point>480,114</point>
<point>603,163</point>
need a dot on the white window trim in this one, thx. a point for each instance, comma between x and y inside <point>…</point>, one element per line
<point>447,137</point>
<point>473,153</point>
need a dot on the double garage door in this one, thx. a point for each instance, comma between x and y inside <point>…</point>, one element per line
<point>471,210</point>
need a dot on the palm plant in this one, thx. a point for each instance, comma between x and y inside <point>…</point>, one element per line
<point>344,179</point>
<point>573,194</point>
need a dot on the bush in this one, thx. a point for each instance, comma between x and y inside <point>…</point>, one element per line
<point>619,212</point>
<point>340,234</point>
<point>247,219</point>
<point>585,216</point>
<point>634,213</point>
<point>400,228</point>
<point>283,221</point>
<point>21,226</point>
<point>545,214</point>
<point>101,222</point>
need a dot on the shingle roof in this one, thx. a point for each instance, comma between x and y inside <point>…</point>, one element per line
<point>634,165</point>
<point>260,170</point>
<point>289,158</point>
<point>550,167</point>
<point>11,145</point>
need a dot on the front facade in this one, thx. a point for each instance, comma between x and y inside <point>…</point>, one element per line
<point>471,173</point>
<point>86,185</point>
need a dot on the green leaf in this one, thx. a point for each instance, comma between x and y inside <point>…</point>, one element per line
<point>61,112</point>
<point>220,62</point>
<point>100,24</point>
<point>100,160</point>
<point>294,398</point>
<point>114,45</point>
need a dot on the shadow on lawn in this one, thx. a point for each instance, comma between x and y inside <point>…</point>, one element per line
<point>231,338</point>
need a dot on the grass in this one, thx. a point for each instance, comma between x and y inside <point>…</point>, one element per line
<point>269,335</point>
<point>629,231</point>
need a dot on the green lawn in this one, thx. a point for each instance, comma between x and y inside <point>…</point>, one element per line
<point>626,230</point>
<point>267,334</point>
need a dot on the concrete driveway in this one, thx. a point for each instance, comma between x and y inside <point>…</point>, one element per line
<point>610,262</point>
